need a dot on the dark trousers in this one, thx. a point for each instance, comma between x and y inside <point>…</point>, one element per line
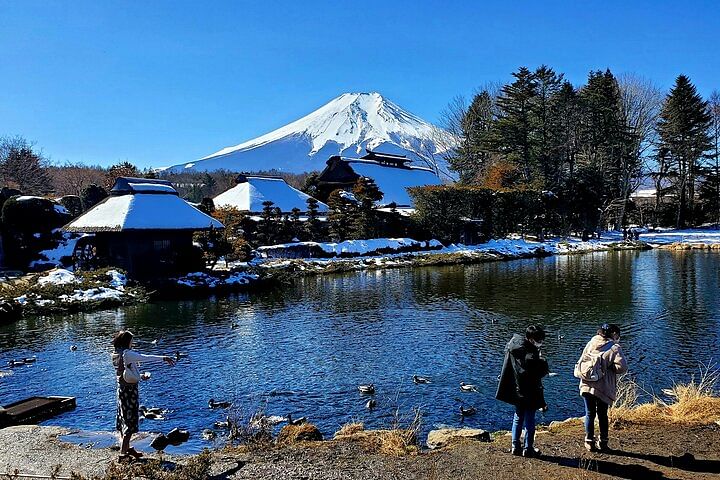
<point>595,407</point>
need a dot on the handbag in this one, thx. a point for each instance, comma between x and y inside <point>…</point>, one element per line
<point>129,375</point>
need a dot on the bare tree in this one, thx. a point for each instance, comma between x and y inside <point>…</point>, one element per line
<point>714,105</point>
<point>73,178</point>
<point>23,168</point>
<point>640,102</point>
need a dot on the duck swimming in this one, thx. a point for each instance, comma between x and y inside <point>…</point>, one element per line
<point>420,380</point>
<point>465,387</point>
<point>367,388</point>
<point>213,404</point>
<point>371,404</point>
<point>467,412</point>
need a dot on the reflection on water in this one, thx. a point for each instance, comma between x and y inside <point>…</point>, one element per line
<point>305,349</point>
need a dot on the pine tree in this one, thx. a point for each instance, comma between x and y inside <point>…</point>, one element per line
<point>683,127</point>
<point>313,227</point>
<point>366,193</point>
<point>268,224</point>
<point>472,156</point>
<point>340,217</point>
<point>294,225</point>
<point>512,133</point>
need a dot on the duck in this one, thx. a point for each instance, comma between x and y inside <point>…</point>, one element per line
<point>467,412</point>
<point>234,325</point>
<point>295,422</point>
<point>155,342</point>
<point>179,355</point>
<point>465,387</point>
<point>152,413</point>
<point>15,363</point>
<point>222,425</point>
<point>561,337</point>
<point>420,380</point>
<point>368,388</point>
<point>552,374</point>
<point>73,348</point>
<point>370,405</point>
<point>215,404</point>
<point>177,436</point>
<point>30,360</point>
<point>208,434</point>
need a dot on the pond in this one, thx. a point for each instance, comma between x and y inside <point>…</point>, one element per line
<point>305,348</point>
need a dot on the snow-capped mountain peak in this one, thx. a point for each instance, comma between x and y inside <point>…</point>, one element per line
<point>346,125</point>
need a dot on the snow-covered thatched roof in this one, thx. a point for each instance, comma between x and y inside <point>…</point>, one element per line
<point>393,181</point>
<point>142,204</point>
<point>251,191</point>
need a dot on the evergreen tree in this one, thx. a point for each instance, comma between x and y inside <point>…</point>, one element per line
<point>313,227</point>
<point>366,193</point>
<point>512,133</point>
<point>472,156</point>
<point>92,195</point>
<point>683,127</point>
<point>268,224</point>
<point>710,190</point>
<point>341,216</point>
<point>295,229</point>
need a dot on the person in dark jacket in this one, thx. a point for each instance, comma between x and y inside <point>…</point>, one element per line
<point>521,385</point>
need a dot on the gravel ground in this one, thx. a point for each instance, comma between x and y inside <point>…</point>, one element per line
<point>644,452</point>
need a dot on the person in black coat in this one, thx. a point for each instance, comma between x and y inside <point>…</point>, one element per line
<point>521,386</point>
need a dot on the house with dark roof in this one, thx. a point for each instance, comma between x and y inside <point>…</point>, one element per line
<point>252,190</point>
<point>392,174</point>
<point>143,227</point>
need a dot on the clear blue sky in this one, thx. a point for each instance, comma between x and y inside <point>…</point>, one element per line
<point>163,82</point>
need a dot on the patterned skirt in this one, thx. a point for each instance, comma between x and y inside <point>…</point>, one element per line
<point>126,420</point>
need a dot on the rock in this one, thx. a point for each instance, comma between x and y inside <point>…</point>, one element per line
<point>443,437</point>
<point>177,436</point>
<point>160,442</point>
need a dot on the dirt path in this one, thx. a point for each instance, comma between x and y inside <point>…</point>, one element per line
<point>642,452</point>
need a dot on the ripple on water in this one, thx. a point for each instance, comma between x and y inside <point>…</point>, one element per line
<point>305,349</point>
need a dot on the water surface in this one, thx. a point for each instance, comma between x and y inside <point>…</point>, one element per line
<point>305,349</point>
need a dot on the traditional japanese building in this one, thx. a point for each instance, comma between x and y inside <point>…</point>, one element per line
<point>252,190</point>
<point>391,174</point>
<point>143,227</point>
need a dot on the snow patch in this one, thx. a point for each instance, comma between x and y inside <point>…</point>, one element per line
<point>59,276</point>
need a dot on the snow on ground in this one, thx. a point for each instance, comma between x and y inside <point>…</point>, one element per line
<point>358,247</point>
<point>117,280</point>
<point>65,248</point>
<point>92,294</point>
<point>58,276</point>
<point>662,236</point>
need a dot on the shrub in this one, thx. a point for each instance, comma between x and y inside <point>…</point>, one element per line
<point>72,204</point>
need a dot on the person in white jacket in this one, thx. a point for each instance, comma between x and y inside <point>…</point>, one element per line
<point>127,417</point>
<point>603,355</point>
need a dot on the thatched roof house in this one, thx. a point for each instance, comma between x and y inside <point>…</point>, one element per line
<point>252,190</point>
<point>391,174</point>
<point>143,227</point>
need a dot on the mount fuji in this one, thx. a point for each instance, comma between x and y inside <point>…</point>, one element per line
<point>347,126</point>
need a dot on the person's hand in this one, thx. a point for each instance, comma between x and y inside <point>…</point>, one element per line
<point>169,360</point>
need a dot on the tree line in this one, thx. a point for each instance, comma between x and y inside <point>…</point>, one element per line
<point>592,146</point>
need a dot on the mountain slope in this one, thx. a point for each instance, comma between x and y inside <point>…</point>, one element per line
<point>346,125</point>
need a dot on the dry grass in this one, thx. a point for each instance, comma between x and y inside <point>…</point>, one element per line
<point>292,434</point>
<point>194,468</point>
<point>694,402</point>
<point>387,442</point>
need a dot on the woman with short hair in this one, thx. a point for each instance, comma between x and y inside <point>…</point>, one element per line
<point>598,368</point>
<point>124,358</point>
